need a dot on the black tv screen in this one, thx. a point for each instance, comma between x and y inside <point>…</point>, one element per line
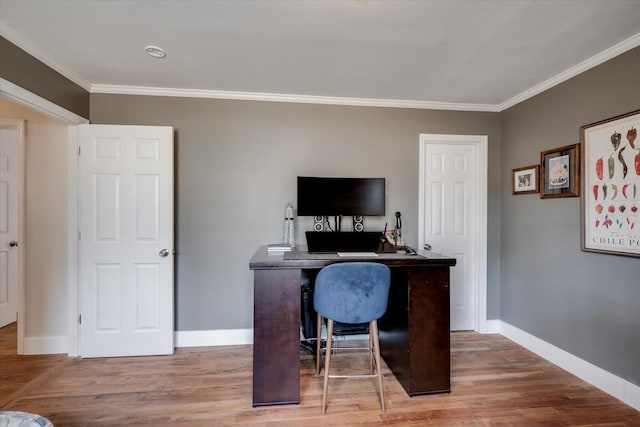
<point>341,196</point>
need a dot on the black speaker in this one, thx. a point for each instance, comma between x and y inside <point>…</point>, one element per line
<point>358,223</point>
<point>318,223</point>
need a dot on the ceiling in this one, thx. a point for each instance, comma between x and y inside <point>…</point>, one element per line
<point>458,54</point>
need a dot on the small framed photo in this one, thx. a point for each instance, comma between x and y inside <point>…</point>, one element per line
<point>525,180</point>
<point>560,172</point>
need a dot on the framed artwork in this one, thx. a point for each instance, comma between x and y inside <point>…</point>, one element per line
<point>560,172</point>
<point>525,180</point>
<point>611,193</point>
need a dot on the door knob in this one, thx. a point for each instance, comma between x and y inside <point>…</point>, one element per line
<point>427,247</point>
<point>164,252</point>
<point>13,243</point>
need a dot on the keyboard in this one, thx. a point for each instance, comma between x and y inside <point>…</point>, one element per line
<point>357,254</point>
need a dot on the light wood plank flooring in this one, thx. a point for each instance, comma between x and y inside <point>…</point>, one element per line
<point>494,383</point>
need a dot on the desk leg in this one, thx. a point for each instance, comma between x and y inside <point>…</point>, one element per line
<point>429,345</point>
<point>276,337</point>
<point>414,333</point>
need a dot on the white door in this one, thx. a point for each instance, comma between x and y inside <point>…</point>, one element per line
<point>11,236</point>
<point>452,219</point>
<point>126,240</point>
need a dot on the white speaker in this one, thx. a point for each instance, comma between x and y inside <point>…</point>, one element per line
<point>358,223</point>
<point>318,223</point>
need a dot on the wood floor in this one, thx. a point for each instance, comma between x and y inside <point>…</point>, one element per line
<point>494,383</point>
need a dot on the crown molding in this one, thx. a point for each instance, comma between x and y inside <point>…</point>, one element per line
<point>29,47</point>
<point>278,97</point>
<point>624,46</point>
<point>612,52</point>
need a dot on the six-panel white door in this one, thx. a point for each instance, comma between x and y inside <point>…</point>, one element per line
<point>126,240</point>
<point>450,199</point>
<point>11,182</point>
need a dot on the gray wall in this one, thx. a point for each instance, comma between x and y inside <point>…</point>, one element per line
<point>585,303</point>
<point>236,168</point>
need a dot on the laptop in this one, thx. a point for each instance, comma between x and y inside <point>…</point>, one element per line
<point>319,242</point>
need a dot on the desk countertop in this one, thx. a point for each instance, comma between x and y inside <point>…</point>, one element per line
<point>300,258</point>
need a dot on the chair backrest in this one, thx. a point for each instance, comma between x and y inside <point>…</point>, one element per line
<point>352,292</point>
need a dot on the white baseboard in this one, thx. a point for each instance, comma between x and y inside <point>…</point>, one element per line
<point>491,327</point>
<point>45,345</point>
<point>617,387</point>
<point>213,337</point>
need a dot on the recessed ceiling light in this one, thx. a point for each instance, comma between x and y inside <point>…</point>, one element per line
<point>155,51</point>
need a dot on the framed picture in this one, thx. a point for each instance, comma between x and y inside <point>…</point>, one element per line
<point>611,192</point>
<point>525,180</point>
<point>560,172</point>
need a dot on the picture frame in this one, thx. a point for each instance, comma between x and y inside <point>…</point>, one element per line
<point>560,172</point>
<point>525,180</point>
<point>610,209</point>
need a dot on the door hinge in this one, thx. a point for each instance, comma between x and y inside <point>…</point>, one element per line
<point>79,235</point>
<point>80,319</point>
<point>79,151</point>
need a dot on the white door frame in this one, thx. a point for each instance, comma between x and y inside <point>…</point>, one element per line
<point>481,160</point>
<point>29,99</point>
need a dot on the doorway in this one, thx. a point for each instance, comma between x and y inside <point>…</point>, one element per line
<point>44,323</point>
<point>453,218</point>
<point>11,218</point>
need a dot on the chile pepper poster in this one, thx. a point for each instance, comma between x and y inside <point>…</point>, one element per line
<point>611,176</point>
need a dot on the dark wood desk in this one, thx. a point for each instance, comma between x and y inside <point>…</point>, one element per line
<point>414,332</point>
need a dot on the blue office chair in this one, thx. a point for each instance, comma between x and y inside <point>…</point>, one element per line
<point>352,292</point>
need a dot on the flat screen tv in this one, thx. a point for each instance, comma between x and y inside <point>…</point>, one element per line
<point>341,196</point>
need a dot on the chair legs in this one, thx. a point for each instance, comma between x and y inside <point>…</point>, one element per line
<point>327,363</point>
<point>318,343</point>
<point>373,332</point>
<point>371,350</point>
<point>374,345</point>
